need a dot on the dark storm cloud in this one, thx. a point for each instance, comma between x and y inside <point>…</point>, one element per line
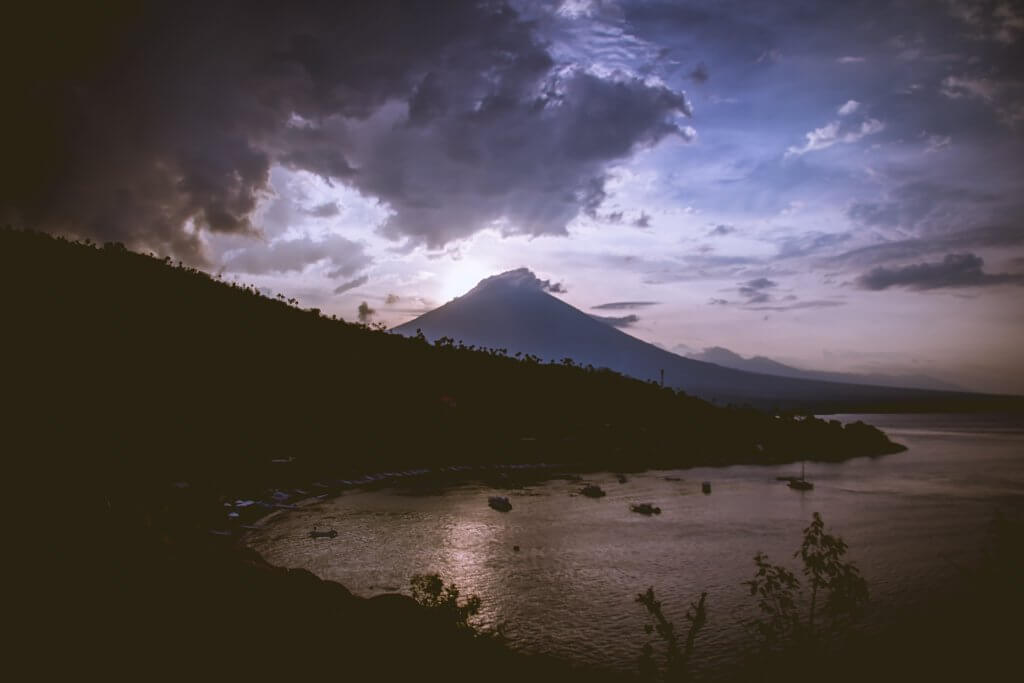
<point>683,268</point>
<point>755,290</point>
<point>343,257</point>
<point>924,217</point>
<point>351,284</point>
<point>991,20</point>
<point>811,243</point>
<point>623,321</point>
<point>715,23</point>
<point>954,271</point>
<point>700,73</point>
<point>924,205</point>
<point>325,210</point>
<point>896,250</point>
<point>642,221</point>
<point>756,285</point>
<point>799,305</point>
<point>721,231</point>
<point>150,126</point>
<point>527,156</point>
<point>623,305</point>
<point>524,277</point>
<point>553,287</point>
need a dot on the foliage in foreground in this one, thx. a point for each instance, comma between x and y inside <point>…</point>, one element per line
<point>791,612</point>
<point>676,656</point>
<point>794,614</point>
<point>429,591</point>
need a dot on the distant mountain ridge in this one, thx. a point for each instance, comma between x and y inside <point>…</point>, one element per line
<point>514,312</point>
<point>761,364</point>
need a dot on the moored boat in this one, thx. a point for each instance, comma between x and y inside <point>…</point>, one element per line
<point>500,503</point>
<point>800,484</point>
<point>330,533</point>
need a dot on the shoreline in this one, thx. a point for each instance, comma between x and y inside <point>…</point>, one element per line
<point>334,488</point>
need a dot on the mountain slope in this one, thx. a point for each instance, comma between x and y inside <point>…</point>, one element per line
<point>767,366</point>
<point>512,311</point>
<point>131,372</point>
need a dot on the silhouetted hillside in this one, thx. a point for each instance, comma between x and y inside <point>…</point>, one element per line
<point>169,369</point>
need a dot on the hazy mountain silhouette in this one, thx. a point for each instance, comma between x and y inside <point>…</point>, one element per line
<point>512,311</point>
<point>766,366</point>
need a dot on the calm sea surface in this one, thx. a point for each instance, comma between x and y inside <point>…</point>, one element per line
<point>912,521</point>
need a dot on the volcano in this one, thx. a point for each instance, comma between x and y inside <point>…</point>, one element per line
<point>515,312</point>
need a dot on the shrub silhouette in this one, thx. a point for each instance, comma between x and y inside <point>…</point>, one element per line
<point>429,590</point>
<point>788,615</point>
<point>676,657</point>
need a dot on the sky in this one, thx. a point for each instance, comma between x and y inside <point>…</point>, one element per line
<point>834,185</point>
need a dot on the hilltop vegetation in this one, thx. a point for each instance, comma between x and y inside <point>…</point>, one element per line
<point>169,371</point>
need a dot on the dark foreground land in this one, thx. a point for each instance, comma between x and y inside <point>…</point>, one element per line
<point>145,395</point>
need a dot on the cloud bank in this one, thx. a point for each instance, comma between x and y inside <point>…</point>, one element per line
<point>617,321</point>
<point>163,124</point>
<point>954,271</point>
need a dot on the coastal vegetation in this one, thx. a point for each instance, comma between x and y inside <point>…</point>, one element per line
<point>790,623</point>
<point>677,655</point>
<point>430,591</point>
<point>163,371</point>
<point>835,591</point>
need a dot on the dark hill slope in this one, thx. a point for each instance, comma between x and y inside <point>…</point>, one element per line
<point>168,370</point>
<point>512,311</point>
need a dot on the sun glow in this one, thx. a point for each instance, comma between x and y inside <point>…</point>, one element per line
<point>460,277</point>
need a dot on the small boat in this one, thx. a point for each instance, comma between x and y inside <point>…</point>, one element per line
<point>705,486</point>
<point>800,484</point>
<point>645,509</point>
<point>330,533</point>
<point>499,503</point>
<point>622,478</point>
<point>592,491</point>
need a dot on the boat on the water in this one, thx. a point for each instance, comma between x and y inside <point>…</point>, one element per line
<point>645,509</point>
<point>592,491</point>
<point>705,487</point>
<point>800,484</point>
<point>499,503</point>
<point>330,533</point>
